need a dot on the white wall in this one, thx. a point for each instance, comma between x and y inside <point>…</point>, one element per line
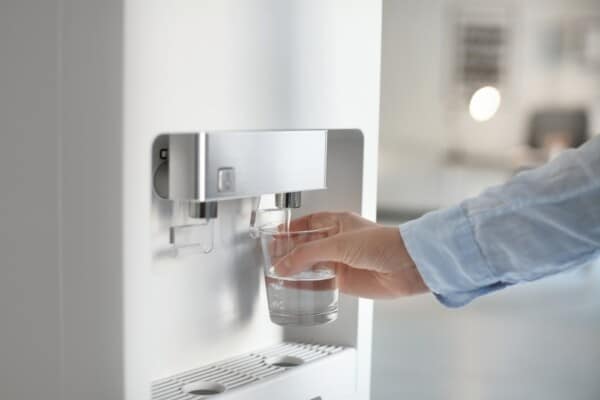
<point>29,203</point>
<point>91,52</point>
<point>412,127</point>
<point>421,119</point>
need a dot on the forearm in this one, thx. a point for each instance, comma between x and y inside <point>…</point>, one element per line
<point>539,223</point>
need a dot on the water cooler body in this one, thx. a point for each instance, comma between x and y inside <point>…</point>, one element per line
<point>223,304</point>
<point>102,294</point>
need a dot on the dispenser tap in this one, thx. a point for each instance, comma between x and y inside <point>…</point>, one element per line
<point>288,200</point>
<point>197,170</point>
<point>203,210</point>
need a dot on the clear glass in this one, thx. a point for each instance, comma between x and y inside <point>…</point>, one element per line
<point>268,217</point>
<point>306,298</point>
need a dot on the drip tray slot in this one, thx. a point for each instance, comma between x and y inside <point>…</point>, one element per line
<point>300,363</point>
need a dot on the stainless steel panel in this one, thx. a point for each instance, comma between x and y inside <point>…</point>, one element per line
<point>186,166</point>
<point>266,162</point>
<point>211,166</point>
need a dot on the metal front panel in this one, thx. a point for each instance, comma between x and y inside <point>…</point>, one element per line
<point>266,162</point>
<point>211,166</point>
<point>186,166</point>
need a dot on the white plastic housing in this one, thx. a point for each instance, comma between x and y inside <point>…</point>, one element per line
<point>87,310</point>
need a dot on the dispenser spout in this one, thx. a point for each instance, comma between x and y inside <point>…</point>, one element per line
<point>203,210</point>
<point>288,200</point>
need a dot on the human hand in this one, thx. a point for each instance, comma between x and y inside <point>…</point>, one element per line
<point>370,259</point>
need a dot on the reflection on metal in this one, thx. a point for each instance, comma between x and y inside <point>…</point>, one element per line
<point>288,200</point>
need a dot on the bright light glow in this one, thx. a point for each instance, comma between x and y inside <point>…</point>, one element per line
<point>484,103</point>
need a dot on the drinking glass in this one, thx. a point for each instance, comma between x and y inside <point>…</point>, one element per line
<point>306,298</point>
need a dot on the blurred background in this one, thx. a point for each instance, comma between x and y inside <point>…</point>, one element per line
<point>473,92</point>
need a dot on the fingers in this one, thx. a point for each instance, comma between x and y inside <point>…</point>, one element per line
<point>347,244</point>
<point>343,221</point>
<point>308,254</point>
<point>315,221</point>
<point>281,243</point>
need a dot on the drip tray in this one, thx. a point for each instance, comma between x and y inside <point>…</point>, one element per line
<point>304,364</point>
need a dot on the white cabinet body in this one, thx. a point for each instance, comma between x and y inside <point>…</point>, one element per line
<point>89,310</point>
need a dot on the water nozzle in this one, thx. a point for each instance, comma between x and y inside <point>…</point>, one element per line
<point>288,200</point>
<point>203,210</point>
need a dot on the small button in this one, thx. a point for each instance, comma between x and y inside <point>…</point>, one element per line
<point>226,179</point>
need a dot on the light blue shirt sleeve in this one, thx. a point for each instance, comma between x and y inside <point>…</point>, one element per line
<point>542,222</point>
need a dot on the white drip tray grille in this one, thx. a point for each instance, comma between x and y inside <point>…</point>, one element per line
<point>239,371</point>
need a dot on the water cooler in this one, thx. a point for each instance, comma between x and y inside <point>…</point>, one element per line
<point>107,291</point>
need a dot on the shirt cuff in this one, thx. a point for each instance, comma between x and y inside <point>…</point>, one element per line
<point>442,245</point>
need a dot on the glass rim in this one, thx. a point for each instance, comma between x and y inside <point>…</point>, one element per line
<point>271,229</point>
<point>273,209</point>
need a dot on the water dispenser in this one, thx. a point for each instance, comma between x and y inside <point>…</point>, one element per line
<point>137,277</point>
<point>207,190</point>
<point>196,171</point>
